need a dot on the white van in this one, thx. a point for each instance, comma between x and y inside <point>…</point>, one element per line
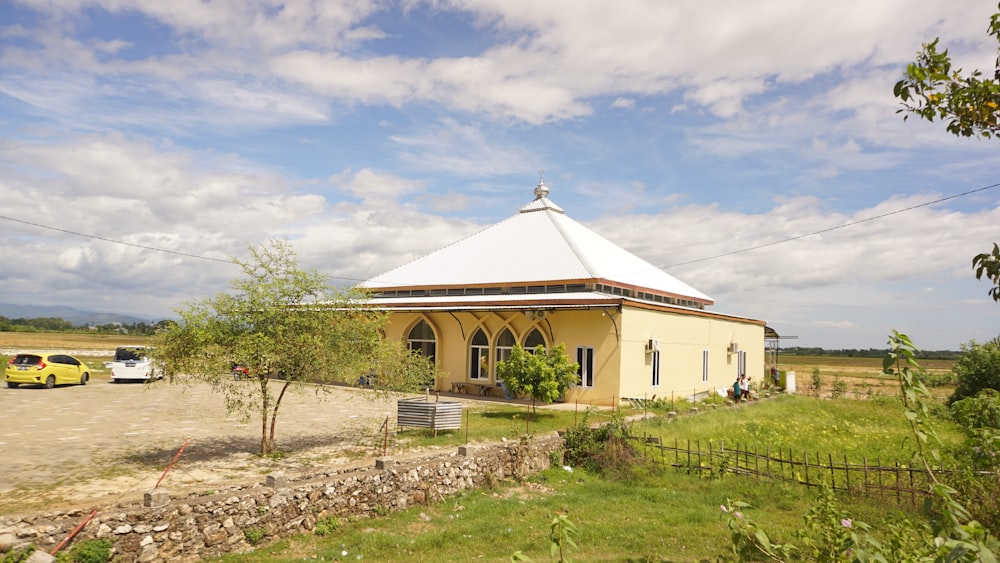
<point>132,363</point>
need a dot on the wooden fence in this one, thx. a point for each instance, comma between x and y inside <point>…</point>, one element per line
<point>870,477</point>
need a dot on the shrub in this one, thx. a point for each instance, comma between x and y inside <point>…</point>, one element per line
<point>90,551</point>
<point>254,535</point>
<point>327,525</point>
<point>978,368</point>
<point>603,450</point>
<point>980,411</point>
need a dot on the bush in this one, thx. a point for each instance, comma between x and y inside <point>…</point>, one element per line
<point>90,551</point>
<point>603,450</point>
<point>977,369</point>
<point>327,525</point>
<point>980,411</point>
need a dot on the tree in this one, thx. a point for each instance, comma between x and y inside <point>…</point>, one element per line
<point>931,90</point>
<point>542,374</point>
<point>989,264</point>
<point>288,327</point>
<point>977,369</point>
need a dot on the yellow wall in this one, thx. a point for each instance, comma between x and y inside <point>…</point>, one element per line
<point>682,340</point>
<point>619,371</point>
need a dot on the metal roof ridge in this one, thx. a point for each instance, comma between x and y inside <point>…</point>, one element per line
<point>571,243</point>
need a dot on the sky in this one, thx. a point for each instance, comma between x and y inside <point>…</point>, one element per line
<point>751,149</point>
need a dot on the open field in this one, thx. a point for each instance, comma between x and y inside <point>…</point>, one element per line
<point>861,377</point>
<point>67,340</point>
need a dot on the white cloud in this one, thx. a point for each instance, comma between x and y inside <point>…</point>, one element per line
<point>551,59</point>
<point>623,103</point>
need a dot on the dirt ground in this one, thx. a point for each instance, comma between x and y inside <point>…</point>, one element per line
<point>76,446</point>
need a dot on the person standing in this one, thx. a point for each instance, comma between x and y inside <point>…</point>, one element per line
<point>737,392</point>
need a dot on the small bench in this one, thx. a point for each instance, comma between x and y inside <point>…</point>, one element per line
<point>483,389</point>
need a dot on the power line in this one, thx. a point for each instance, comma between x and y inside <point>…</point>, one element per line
<point>142,246</point>
<point>126,243</point>
<point>707,258</point>
<point>827,230</point>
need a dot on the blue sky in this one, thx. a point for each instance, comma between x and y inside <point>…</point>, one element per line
<point>372,132</point>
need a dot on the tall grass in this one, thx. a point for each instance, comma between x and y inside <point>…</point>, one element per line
<point>857,429</point>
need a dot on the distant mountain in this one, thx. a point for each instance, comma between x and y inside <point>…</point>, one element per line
<point>75,316</point>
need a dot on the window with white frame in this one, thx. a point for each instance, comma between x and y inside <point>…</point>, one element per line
<point>655,360</point>
<point>585,366</point>
<point>505,345</point>
<point>704,366</point>
<point>479,356</point>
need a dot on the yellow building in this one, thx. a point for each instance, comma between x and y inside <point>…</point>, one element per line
<point>539,277</point>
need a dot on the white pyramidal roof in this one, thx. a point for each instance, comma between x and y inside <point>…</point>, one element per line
<point>539,245</point>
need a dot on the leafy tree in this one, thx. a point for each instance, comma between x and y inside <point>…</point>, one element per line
<point>980,411</point>
<point>931,89</point>
<point>989,264</point>
<point>542,374</point>
<point>977,369</point>
<point>288,327</point>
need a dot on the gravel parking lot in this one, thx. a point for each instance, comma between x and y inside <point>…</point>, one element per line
<point>76,445</point>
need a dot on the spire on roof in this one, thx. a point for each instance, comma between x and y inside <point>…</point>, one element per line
<point>541,190</point>
<point>542,201</point>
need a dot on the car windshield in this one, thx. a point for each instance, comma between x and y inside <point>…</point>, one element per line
<point>27,360</point>
<point>129,354</point>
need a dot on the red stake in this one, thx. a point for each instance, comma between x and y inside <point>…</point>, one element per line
<point>172,462</point>
<point>73,533</point>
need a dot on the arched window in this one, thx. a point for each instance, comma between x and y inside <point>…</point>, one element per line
<point>421,339</point>
<point>505,345</point>
<point>534,339</point>
<point>479,356</point>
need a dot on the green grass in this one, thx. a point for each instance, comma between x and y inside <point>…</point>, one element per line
<point>666,515</point>
<point>672,517</point>
<point>874,428</point>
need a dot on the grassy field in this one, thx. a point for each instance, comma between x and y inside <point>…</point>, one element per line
<point>666,515</point>
<point>848,367</point>
<point>860,377</point>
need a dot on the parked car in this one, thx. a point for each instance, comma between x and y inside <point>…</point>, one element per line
<point>45,369</point>
<point>132,363</point>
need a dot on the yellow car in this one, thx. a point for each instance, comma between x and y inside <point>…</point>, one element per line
<point>45,369</point>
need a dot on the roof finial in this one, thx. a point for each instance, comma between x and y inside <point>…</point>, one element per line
<point>541,190</point>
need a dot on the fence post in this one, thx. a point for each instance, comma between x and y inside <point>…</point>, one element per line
<point>913,492</point>
<point>847,473</point>
<point>767,456</point>
<point>805,463</point>
<point>897,482</point>
<point>865,460</point>
<point>833,478</point>
<point>689,457</point>
<point>385,443</point>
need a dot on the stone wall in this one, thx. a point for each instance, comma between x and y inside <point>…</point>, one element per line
<point>210,524</point>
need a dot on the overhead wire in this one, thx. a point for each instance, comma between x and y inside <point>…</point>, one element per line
<point>834,228</point>
<point>698,260</point>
